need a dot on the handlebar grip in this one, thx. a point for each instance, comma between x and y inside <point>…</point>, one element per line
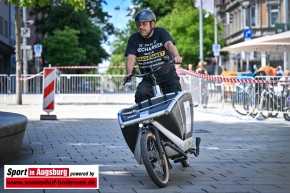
<point>127,79</point>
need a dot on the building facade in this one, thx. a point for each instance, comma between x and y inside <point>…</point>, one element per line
<point>7,38</point>
<point>262,17</point>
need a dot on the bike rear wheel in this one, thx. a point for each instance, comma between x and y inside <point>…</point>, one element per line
<point>242,103</point>
<point>155,164</point>
<point>287,115</point>
<point>265,107</point>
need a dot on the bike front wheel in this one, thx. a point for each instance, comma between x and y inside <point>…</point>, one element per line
<point>155,164</point>
<point>287,115</point>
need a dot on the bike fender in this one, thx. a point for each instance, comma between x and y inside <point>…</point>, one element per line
<point>137,151</point>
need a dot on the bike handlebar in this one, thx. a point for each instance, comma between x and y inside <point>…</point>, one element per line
<point>154,69</point>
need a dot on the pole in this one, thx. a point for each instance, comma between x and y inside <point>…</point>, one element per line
<point>215,38</point>
<point>24,52</point>
<point>285,5</point>
<point>200,31</point>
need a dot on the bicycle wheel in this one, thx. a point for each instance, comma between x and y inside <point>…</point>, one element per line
<point>155,164</point>
<point>242,103</point>
<point>264,107</point>
<point>287,115</point>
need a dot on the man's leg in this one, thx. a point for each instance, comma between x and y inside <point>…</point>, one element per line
<point>172,85</point>
<point>144,91</point>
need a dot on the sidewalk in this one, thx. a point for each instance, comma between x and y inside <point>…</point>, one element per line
<point>236,155</point>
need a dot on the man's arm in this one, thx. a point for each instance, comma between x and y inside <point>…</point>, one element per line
<point>173,50</point>
<point>130,61</point>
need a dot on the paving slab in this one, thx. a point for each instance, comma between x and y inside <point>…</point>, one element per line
<point>236,155</point>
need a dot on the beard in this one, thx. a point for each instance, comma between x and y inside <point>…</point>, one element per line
<point>143,33</point>
<point>146,34</point>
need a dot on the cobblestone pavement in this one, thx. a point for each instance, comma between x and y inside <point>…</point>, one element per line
<point>236,155</point>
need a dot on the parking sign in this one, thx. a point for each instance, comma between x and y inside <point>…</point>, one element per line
<point>216,47</point>
<point>37,50</point>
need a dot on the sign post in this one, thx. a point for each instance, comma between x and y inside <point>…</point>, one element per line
<point>247,35</point>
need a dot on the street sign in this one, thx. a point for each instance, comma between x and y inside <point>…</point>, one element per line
<point>37,54</point>
<point>216,53</point>
<point>26,47</point>
<point>25,32</point>
<point>281,27</point>
<point>37,50</point>
<point>248,33</point>
<point>216,47</point>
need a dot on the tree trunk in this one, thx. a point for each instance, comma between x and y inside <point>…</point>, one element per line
<point>18,56</point>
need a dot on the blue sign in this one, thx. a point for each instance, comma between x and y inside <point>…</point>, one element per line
<point>216,47</point>
<point>248,33</point>
<point>37,48</point>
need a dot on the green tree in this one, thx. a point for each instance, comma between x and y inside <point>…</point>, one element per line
<point>117,58</point>
<point>63,48</point>
<point>90,34</point>
<point>182,22</point>
<point>159,7</point>
<point>78,4</point>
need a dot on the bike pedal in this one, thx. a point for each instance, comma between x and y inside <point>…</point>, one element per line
<point>180,159</point>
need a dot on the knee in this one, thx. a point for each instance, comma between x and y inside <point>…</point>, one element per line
<point>142,94</point>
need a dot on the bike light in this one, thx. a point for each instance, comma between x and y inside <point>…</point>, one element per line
<point>122,126</point>
<point>140,125</point>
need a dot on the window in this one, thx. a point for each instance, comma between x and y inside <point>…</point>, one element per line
<point>252,16</point>
<point>274,15</point>
<point>5,29</point>
<point>246,17</point>
<point>1,26</point>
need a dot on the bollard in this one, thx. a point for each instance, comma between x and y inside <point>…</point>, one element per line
<point>48,93</point>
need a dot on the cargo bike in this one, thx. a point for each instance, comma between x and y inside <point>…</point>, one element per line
<point>160,129</point>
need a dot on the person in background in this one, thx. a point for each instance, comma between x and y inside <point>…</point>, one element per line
<point>279,71</point>
<point>190,68</point>
<point>283,84</point>
<point>203,85</point>
<point>201,69</point>
<point>255,68</point>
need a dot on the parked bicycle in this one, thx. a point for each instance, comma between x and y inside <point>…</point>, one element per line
<point>249,101</point>
<point>278,103</point>
<point>159,129</point>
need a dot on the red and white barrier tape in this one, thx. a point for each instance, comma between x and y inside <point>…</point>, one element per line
<point>89,67</point>
<point>183,71</point>
<point>30,77</point>
<point>222,79</point>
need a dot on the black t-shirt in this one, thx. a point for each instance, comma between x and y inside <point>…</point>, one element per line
<point>149,51</point>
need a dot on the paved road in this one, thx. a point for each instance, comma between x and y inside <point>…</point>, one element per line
<point>236,155</point>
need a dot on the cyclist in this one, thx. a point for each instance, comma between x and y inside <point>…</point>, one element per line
<point>147,47</point>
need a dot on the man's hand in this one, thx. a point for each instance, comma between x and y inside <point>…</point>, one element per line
<point>173,50</point>
<point>177,59</point>
<point>127,78</point>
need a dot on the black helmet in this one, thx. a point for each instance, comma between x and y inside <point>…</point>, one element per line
<point>145,15</point>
